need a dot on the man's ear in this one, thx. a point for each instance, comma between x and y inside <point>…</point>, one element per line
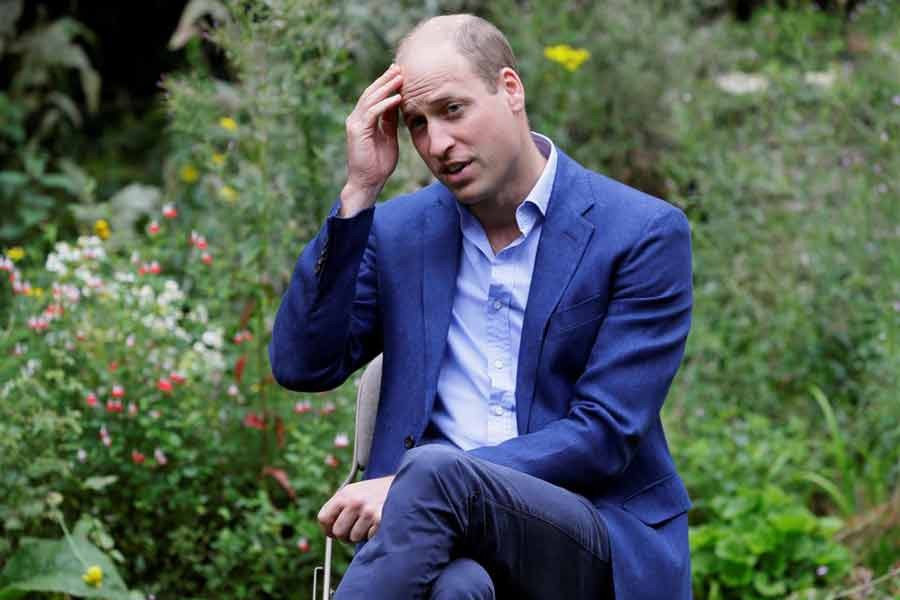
<point>511,85</point>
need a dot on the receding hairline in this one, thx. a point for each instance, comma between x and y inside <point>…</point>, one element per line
<point>477,40</point>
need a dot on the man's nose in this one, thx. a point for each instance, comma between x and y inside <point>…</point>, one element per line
<point>439,141</point>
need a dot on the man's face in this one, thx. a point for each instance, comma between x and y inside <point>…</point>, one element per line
<point>466,135</point>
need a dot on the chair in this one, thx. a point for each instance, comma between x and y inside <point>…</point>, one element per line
<point>366,409</point>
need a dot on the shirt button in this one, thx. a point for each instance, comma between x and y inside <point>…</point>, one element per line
<point>498,410</point>
<point>497,305</point>
<point>498,363</point>
<point>408,442</point>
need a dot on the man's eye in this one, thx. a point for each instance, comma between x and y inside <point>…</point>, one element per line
<point>454,108</point>
<point>416,122</point>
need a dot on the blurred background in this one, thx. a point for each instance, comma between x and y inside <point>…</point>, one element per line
<point>163,163</point>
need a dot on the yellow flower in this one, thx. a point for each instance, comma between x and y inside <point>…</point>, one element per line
<point>228,123</point>
<point>228,193</point>
<point>35,292</point>
<point>569,57</point>
<point>218,159</point>
<point>15,253</point>
<point>93,576</point>
<point>101,228</point>
<point>189,173</point>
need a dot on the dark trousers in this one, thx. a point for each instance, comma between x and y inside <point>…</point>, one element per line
<point>454,527</point>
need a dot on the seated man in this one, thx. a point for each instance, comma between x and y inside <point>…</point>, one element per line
<point>532,315</point>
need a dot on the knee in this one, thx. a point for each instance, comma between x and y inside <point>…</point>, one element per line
<point>424,462</point>
<point>463,579</point>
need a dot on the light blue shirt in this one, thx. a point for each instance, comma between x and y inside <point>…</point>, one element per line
<point>476,390</point>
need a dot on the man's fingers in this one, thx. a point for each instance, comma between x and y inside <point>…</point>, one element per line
<point>372,530</point>
<point>361,528</point>
<point>344,523</point>
<point>379,109</point>
<point>379,88</point>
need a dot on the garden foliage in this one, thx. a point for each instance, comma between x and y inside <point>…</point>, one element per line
<point>135,392</point>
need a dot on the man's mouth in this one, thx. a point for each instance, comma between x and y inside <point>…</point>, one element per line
<point>455,168</point>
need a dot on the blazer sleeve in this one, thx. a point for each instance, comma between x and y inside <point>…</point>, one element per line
<point>632,363</point>
<point>328,324</point>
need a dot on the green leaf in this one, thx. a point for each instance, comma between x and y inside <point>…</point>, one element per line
<point>794,520</point>
<point>98,483</point>
<point>768,588</point>
<point>58,566</point>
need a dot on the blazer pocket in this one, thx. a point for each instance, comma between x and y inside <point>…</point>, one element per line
<point>659,502</point>
<point>578,314</point>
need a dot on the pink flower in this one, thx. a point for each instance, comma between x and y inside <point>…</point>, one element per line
<point>169,211</point>
<point>341,440</point>
<point>302,407</point>
<point>91,400</point>
<point>112,366</point>
<point>207,258</point>
<point>332,461</point>
<point>113,406</point>
<point>232,390</point>
<point>153,228</point>
<point>155,268</point>
<point>327,409</point>
<point>38,324</point>
<point>137,458</point>
<point>104,436</point>
<point>118,391</point>
<point>303,545</point>
<point>132,409</point>
<point>242,336</point>
<point>160,457</point>
<point>154,413</point>
<point>177,378</point>
<point>198,241</point>
<point>164,385</point>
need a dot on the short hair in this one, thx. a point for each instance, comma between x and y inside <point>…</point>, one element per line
<point>478,41</point>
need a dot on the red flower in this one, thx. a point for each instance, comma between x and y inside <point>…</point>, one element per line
<point>118,391</point>
<point>153,228</point>
<point>113,406</point>
<point>254,421</point>
<point>137,458</point>
<point>206,258</point>
<point>164,385</point>
<point>332,461</point>
<point>242,336</point>
<point>169,211</point>
<point>327,409</point>
<point>112,366</point>
<point>91,400</point>
<point>155,268</point>
<point>302,407</point>
<point>177,378</point>
<point>303,545</point>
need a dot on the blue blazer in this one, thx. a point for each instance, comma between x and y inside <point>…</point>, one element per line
<point>604,330</point>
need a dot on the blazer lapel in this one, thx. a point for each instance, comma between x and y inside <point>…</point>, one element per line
<point>564,236</point>
<point>440,245</point>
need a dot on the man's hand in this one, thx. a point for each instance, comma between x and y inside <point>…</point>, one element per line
<point>372,148</point>
<point>354,512</point>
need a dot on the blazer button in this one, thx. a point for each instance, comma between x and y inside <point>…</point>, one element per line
<point>409,442</point>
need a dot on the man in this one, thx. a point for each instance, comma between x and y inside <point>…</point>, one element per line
<point>532,315</point>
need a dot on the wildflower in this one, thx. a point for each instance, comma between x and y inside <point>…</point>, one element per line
<point>36,292</point>
<point>242,336</point>
<point>341,440</point>
<point>189,173</point>
<point>232,390</point>
<point>129,341</point>
<point>254,421</point>
<point>93,576</point>
<point>822,570</point>
<point>218,159</point>
<point>38,324</point>
<point>81,455</point>
<point>118,391</point>
<point>6,264</point>
<point>132,409</point>
<point>15,254</point>
<point>302,407</point>
<point>198,240</point>
<point>112,366</point>
<point>228,193</point>
<point>239,365</point>
<point>91,400</point>
<point>164,385</point>
<point>104,436</point>
<point>207,258</point>
<point>101,228</point>
<point>822,79</point>
<point>327,409</point>
<point>137,458</point>
<point>303,545</point>
<point>113,406</point>
<point>153,228</point>
<point>169,211</point>
<point>570,58</point>
<point>332,461</point>
<point>155,268</point>
<point>160,457</point>
<point>177,378</point>
<point>228,123</point>
<point>154,413</point>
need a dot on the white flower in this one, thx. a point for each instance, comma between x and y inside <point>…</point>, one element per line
<point>232,390</point>
<point>82,455</point>
<point>213,338</point>
<point>739,83</point>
